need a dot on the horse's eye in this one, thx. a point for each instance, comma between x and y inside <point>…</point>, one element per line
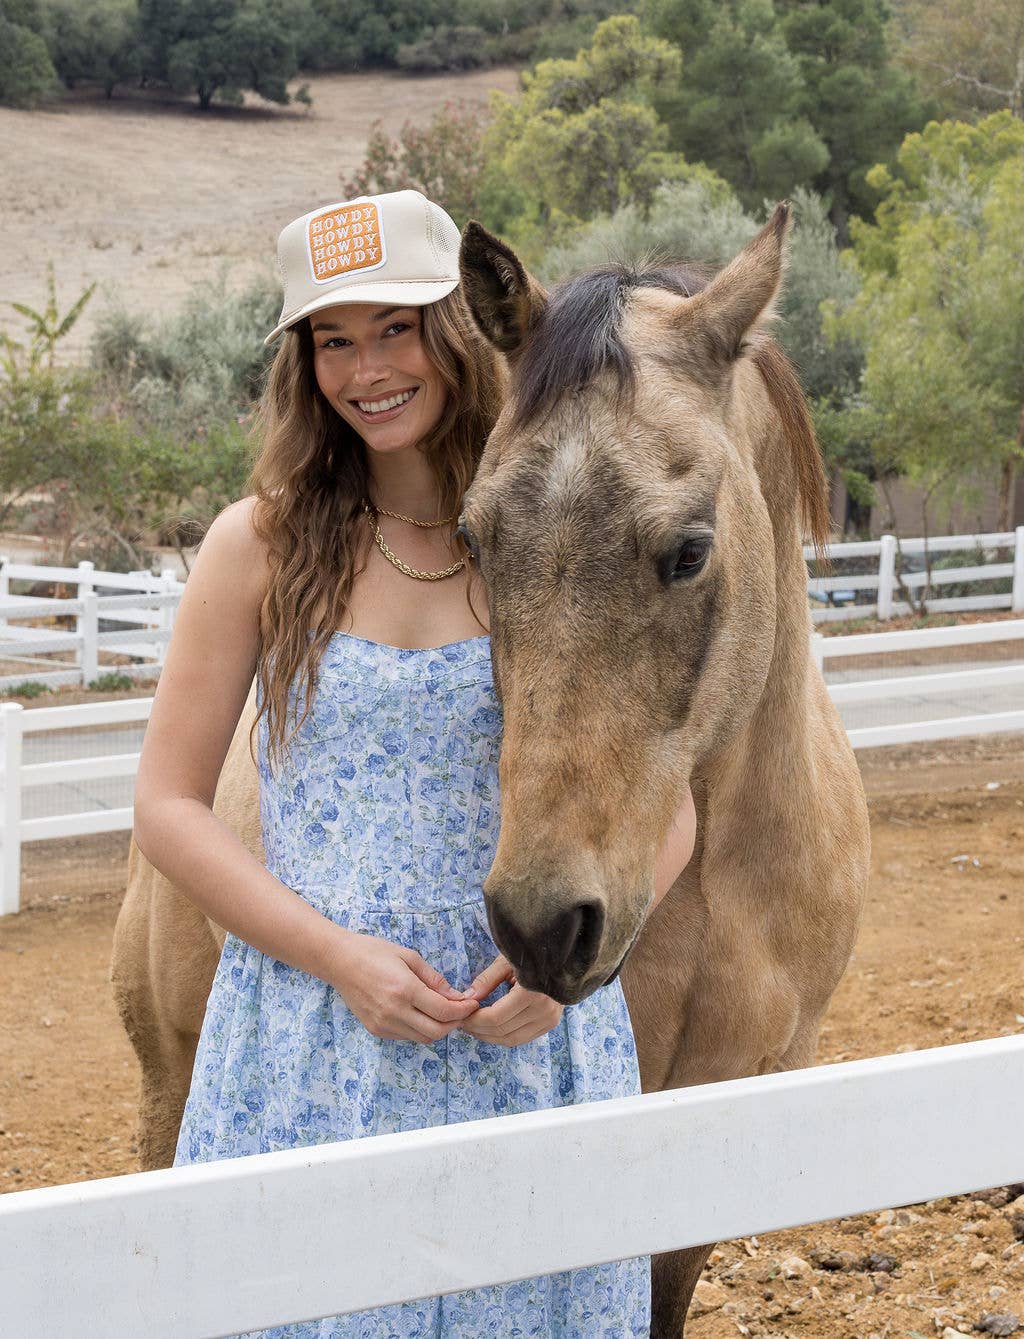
<point>689,558</point>
<point>466,535</point>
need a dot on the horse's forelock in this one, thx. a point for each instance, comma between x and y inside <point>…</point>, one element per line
<point>579,336</point>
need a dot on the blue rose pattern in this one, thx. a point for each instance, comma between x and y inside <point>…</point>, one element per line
<point>385,817</point>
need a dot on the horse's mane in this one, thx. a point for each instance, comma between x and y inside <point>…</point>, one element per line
<point>578,337</point>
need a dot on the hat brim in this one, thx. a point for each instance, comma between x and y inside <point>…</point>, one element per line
<point>395,292</point>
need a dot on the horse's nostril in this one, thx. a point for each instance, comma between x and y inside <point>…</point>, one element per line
<point>588,941</point>
<point>576,935</point>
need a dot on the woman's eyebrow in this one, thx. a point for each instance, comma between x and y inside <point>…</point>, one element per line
<point>382,315</point>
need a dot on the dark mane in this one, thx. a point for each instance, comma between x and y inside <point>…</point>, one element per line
<point>578,337</point>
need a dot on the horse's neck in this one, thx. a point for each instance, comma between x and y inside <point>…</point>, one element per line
<point>766,758</point>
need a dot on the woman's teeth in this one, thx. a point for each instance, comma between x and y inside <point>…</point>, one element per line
<point>379,406</point>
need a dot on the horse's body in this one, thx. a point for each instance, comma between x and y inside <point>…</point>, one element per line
<point>623,676</point>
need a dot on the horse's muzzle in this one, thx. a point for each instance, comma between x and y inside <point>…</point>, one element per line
<point>551,954</point>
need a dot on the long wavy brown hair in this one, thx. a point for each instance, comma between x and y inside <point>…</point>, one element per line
<point>309,478</point>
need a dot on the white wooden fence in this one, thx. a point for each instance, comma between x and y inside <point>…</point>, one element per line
<point>16,777</point>
<point>193,1253</point>
<point>891,552</point>
<point>16,722</point>
<point>158,598</point>
<point>148,610</point>
<point>931,684</point>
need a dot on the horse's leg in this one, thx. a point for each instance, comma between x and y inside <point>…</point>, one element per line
<point>674,1276</point>
<point>162,1093</point>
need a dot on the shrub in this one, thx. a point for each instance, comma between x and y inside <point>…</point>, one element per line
<point>27,75</point>
<point>30,688</point>
<point>112,683</point>
<point>445,49</point>
<point>444,160</point>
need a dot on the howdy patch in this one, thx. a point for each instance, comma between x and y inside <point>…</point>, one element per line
<point>342,240</point>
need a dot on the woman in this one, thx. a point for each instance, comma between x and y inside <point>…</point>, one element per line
<point>359,991</point>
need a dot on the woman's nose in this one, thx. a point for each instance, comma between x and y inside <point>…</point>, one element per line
<point>370,364</point>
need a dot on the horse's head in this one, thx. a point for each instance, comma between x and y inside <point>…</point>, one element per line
<point>621,523</point>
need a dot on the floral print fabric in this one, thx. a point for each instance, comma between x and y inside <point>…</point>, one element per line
<point>385,817</point>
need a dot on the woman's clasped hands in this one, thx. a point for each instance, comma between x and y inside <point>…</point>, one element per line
<point>397,995</point>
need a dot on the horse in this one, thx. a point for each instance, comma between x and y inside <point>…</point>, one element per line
<point>637,516</point>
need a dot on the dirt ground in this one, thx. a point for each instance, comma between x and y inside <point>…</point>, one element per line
<point>939,960</point>
<point>149,198</point>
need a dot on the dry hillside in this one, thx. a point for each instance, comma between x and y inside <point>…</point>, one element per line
<point>148,198</point>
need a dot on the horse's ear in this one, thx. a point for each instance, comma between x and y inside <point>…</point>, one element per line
<point>504,298</point>
<point>722,318</point>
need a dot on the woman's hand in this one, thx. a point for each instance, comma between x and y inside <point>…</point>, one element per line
<point>520,1016</point>
<point>394,993</point>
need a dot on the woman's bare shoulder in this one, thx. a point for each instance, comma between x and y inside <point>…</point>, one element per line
<point>234,536</point>
<point>233,554</point>
<point>235,528</point>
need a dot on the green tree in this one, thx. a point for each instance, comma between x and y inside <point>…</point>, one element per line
<point>94,41</point>
<point>968,55</point>
<point>345,34</point>
<point>942,326</point>
<point>27,75</point>
<point>211,47</point>
<point>860,103</point>
<point>944,153</point>
<point>781,93</point>
<point>448,47</point>
<point>739,104</point>
<point>583,137</point>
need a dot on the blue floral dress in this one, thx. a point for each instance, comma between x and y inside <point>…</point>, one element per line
<point>385,817</point>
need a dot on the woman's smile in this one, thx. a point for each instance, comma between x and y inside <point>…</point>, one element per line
<point>381,409</point>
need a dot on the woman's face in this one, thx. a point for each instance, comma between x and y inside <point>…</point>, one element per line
<point>372,368</point>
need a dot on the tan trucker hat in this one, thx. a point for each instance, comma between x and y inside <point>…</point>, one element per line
<point>399,248</point>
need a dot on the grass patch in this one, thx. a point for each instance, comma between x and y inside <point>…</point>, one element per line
<point>112,683</point>
<point>30,688</point>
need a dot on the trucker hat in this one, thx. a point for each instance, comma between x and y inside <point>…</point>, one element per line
<point>399,248</point>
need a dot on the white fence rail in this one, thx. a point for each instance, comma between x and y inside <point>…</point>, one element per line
<point>840,591</point>
<point>211,1250</point>
<point>15,722</point>
<point>936,684</point>
<point>147,611</point>
<point>151,612</point>
<point>16,777</point>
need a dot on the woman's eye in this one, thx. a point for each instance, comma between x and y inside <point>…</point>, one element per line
<point>398,328</point>
<point>335,342</point>
<point>687,560</point>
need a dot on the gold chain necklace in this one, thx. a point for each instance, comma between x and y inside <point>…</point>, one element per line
<point>394,559</point>
<point>424,525</point>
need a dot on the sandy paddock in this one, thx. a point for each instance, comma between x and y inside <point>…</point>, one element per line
<point>939,960</point>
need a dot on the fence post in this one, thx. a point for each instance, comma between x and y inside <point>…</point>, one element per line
<point>10,808</point>
<point>886,575</point>
<point>85,587</point>
<point>818,650</point>
<point>1017,602</point>
<point>89,630</point>
<point>169,583</point>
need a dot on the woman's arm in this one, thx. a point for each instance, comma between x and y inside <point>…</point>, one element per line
<point>676,849</point>
<point>203,686</point>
